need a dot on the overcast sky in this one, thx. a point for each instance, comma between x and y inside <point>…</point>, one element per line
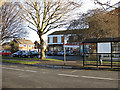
<point>87,4</point>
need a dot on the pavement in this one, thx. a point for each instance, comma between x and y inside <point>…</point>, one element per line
<point>23,76</point>
<point>68,58</point>
<point>68,65</point>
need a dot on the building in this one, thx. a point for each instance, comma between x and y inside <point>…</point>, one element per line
<point>23,44</point>
<point>72,40</point>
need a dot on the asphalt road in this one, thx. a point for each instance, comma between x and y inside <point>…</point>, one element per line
<point>22,76</point>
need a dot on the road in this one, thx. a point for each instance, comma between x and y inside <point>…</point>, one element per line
<point>22,76</point>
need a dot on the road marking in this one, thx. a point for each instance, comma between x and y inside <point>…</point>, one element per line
<point>18,69</point>
<point>88,77</point>
<point>68,75</point>
<point>99,78</point>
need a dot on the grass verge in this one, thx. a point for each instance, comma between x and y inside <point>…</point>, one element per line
<point>21,62</point>
<point>48,59</point>
<point>102,62</point>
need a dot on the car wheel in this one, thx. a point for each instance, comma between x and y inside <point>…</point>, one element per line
<point>35,56</point>
<point>28,56</point>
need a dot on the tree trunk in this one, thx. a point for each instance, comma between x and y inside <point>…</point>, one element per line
<point>42,56</point>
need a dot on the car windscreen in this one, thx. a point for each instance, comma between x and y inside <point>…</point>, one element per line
<point>34,52</point>
<point>0,51</point>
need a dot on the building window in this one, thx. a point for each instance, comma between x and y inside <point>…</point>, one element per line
<point>59,39</point>
<point>54,39</point>
<point>62,40</point>
<point>24,45</point>
<point>30,45</point>
<point>51,40</point>
<point>20,45</point>
<point>48,39</point>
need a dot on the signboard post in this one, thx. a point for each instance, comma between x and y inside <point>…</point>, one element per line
<point>65,42</point>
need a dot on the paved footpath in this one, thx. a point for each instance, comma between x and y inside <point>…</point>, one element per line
<point>22,76</point>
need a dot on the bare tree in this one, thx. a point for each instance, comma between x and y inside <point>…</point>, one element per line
<point>11,24</point>
<point>44,16</point>
<point>107,6</point>
<point>2,2</point>
<point>99,24</point>
<point>102,24</point>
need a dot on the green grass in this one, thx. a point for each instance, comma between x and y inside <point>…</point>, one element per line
<point>5,57</point>
<point>48,59</point>
<point>102,62</point>
<point>21,62</point>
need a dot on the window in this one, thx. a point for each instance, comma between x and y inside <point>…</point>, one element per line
<point>62,40</point>
<point>54,39</point>
<point>20,45</point>
<point>59,39</point>
<point>51,40</point>
<point>48,39</point>
<point>8,51</point>
<point>24,45</point>
<point>30,45</point>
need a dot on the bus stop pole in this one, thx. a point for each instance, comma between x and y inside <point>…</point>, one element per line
<point>111,55</point>
<point>83,55</point>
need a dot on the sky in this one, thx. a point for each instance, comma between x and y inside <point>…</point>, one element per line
<point>87,5</point>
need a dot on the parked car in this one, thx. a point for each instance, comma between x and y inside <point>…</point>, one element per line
<point>5,52</point>
<point>51,53</point>
<point>31,54</point>
<point>18,54</point>
<point>26,54</point>
<point>34,54</point>
<point>62,53</point>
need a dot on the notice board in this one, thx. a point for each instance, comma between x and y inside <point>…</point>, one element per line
<point>104,47</point>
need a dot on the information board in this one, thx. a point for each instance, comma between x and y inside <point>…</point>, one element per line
<point>104,47</point>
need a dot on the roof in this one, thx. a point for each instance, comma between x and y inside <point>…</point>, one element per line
<point>95,40</point>
<point>77,31</point>
<point>24,41</point>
